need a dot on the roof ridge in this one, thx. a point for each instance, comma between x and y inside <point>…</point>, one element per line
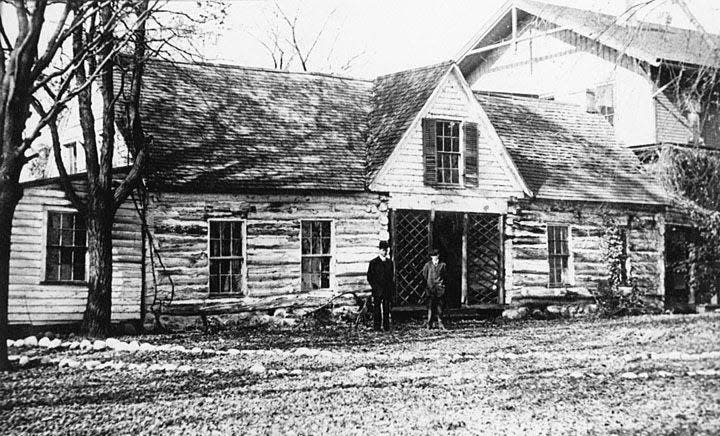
<point>253,68</point>
<point>511,96</point>
<point>416,69</point>
<point>635,23</point>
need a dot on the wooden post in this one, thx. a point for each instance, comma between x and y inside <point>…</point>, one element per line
<point>501,272</point>
<point>431,223</point>
<point>464,283</point>
<point>393,243</point>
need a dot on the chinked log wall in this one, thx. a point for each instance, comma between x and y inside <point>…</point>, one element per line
<point>32,301</point>
<point>527,266</point>
<point>179,224</point>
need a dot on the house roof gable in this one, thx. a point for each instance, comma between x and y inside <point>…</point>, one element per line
<point>652,43</point>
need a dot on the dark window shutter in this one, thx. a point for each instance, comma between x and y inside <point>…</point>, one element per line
<point>429,151</point>
<point>471,154</point>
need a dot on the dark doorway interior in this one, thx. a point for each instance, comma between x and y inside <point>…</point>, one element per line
<point>677,292</point>
<point>447,238</point>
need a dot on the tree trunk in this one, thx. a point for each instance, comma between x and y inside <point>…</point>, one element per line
<point>96,320</point>
<point>10,194</point>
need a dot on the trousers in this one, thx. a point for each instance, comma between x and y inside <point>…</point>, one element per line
<point>381,312</point>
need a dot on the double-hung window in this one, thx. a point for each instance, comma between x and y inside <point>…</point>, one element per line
<point>227,256</point>
<point>316,260</point>
<point>558,255</point>
<point>66,247</point>
<point>447,145</point>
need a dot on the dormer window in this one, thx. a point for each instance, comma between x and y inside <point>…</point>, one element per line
<point>447,146</point>
<point>450,153</point>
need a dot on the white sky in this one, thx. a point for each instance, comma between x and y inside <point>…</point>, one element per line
<point>398,34</point>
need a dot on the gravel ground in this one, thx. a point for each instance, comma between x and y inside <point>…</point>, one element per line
<point>641,375</point>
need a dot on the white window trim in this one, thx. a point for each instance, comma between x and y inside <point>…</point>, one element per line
<point>243,269</point>
<point>43,242</point>
<point>570,280</point>
<point>461,163</point>
<point>333,257</point>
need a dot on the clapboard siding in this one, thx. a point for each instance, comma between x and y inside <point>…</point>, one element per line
<point>31,301</point>
<point>273,252</point>
<point>527,263</point>
<point>405,169</point>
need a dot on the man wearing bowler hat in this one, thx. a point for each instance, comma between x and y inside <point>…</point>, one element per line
<point>381,275</point>
<point>434,279</point>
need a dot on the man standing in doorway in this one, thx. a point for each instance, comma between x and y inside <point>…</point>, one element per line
<point>434,278</point>
<point>381,275</point>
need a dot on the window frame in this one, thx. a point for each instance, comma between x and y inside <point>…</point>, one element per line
<point>567,275</point>
<point>332,284</point>
<point>243,267</point>
<point>460,153</point>
<point>45,233</point>
<point>72,166</point>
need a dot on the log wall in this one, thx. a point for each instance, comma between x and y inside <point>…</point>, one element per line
<point>35,303</point>
<point>527,266</point>
<point>272,223</point>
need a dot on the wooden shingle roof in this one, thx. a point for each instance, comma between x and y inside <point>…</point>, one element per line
<point>397,99</point>
<point>565,153</point>
<point>219,128</point>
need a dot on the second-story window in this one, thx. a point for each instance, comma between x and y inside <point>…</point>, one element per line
<point>69,157</point>
<point>447,144</point>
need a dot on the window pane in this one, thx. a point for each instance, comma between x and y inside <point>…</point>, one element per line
<point>236,266</point>
<point>326,245</point>
<point>454,161</point>
<point>67,221</point>
<point>66,256</point>
<point>225,246</point>
<point>214,230</point>
<point>67,238</point>
<point>237,282</point>
<point>79,268</point>
<point>224,266</point>
<point>214,284</point>
<point>54,229</point>
<point>224,230</point>
<point>224,283</point>
<point>80,223</point>
<point>80,238</point>
<point>66,272</point>
<point>214,247</point>
<point>306,246</point>
<point>456,145</point>
<point>317,246</point>
<point>455,176</point>
<point>214,267</point>
<point>455,129</point>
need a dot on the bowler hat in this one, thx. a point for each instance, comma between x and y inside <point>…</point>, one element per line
<point>434,252</point>
<point>383,245</point>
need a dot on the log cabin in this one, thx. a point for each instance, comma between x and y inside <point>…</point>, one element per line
<point>268,189</point>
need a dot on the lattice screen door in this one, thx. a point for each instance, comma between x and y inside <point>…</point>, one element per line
<point>411,238</point>
<point>484,258</point>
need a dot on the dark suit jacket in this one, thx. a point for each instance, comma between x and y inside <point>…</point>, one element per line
<point>434,279</point>
<point>381,276</point>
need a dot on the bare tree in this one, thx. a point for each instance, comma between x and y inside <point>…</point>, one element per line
<point>23,68</point>
<point>292,46</point>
